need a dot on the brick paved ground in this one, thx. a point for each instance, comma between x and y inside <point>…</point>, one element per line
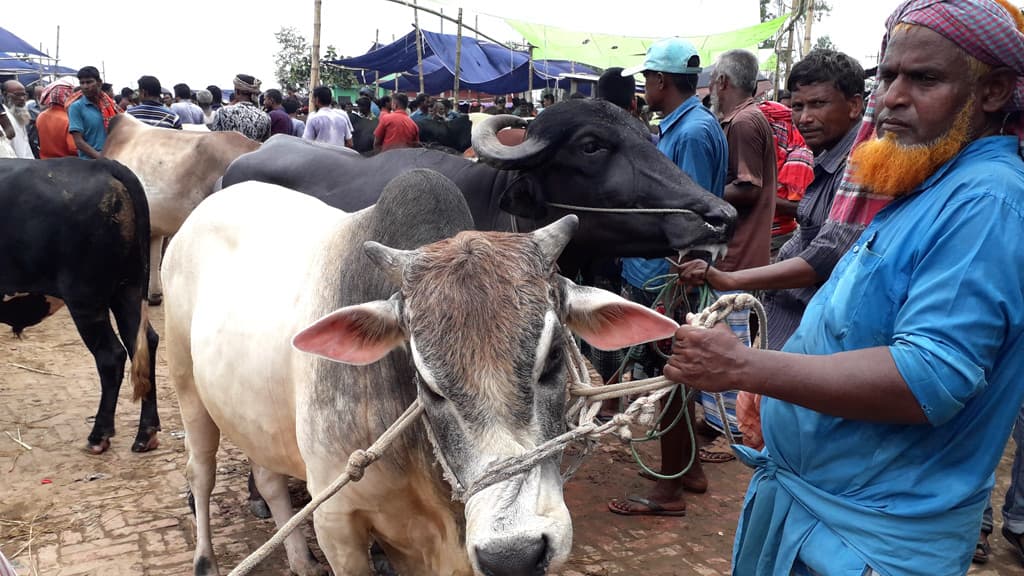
<point>125,514</point>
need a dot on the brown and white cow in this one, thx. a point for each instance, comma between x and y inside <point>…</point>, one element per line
<point>385,307</point>
<point>177,168</point>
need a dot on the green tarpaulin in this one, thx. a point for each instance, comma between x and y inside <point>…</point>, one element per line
<point>607,50</point>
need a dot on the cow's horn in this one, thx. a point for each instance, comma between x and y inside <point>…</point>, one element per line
<point>391,261</point>
<point>553,238</point>
<point>490,150</point>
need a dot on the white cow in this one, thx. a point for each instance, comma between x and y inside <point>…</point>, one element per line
<point>473,326</point>
<point>177,168</point>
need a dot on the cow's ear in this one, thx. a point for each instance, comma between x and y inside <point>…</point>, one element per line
<point>524,198</point>
<point>358,335</point>
<point>610,322</point>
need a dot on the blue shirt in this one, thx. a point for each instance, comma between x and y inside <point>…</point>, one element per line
<point>692,138</point>
<point>938,278</point>
<point>84,117</point>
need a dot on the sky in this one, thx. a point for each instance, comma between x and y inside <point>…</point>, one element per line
<point>227,37</point>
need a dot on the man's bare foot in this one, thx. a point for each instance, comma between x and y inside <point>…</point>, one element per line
<point>692,482</point>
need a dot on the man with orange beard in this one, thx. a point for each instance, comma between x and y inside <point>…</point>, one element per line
<point>888,410</point>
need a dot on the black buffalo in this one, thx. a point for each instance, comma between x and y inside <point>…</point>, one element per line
<point>455,135</point>
<point>78,231</point>
<point>586,157</point>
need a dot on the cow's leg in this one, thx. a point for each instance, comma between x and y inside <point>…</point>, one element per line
<point>343,536</point>
<point>156,254</point>
<point>202,437</point>
<point>257,504</point>
<point>127,310</point>
<point>274,488</point>
<point>94,327</point>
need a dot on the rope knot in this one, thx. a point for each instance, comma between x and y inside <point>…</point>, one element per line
<point>357,463</point>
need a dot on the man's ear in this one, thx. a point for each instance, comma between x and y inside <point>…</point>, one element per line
<point>996,89</point>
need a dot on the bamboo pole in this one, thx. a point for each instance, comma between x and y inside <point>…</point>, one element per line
<point>807,27</point>
<point>529,81</point>
<point>419,42</point>
<point>442,20</point>
<point>314,69</point>
<point>458,55</point>
<point>448,18</point>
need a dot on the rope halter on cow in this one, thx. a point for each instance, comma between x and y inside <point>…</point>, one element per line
<point>580,418</point>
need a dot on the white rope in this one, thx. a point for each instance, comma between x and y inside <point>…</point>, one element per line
<point>584,429</point>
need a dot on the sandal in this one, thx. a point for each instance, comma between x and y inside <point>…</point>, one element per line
<point>982,550</point>
<point>652,508</point>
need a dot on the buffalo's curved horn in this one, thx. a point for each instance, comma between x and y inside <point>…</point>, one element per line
<point>553,238</point>
<point>390,260</point>
<point>490,150</point>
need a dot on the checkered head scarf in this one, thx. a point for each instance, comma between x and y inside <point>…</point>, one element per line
<point>992,31</point>
<point>59,91</point>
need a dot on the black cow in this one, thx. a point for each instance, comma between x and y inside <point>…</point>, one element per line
<point>78,230</point>
<point>581,156</point>
<point>455,134</point>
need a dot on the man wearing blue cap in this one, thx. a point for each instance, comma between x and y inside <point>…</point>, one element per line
<point>692,138</point>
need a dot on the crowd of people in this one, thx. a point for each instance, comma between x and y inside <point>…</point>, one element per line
<point>879,230</point>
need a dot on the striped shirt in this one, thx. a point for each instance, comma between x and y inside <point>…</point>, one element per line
<point>155,114</point>
<point>821,244</point>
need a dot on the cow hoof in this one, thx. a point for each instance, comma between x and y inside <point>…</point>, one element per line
<point>259,508</point>
<point>155,299</point>
<point>96,448</point>
<point>145,441</point>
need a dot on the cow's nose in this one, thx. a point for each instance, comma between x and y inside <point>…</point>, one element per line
<point>722,217</point>
<point>514,557</point>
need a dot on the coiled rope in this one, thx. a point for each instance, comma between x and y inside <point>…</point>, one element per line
<point>580,416</point>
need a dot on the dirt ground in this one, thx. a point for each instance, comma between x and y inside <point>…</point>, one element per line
<point>64,512</point>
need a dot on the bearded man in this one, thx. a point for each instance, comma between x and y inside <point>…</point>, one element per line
<point>888,410</point>
<point>16,99</point>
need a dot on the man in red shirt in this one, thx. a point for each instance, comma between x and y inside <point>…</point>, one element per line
<point>396,130</point>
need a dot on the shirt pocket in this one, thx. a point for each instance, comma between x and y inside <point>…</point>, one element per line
<point>861,311</point>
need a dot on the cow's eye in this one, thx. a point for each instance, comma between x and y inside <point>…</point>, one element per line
<point>553,366</point>
<point>592,147</point>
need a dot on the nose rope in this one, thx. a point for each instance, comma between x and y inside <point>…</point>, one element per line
<point>622,210</point>
<point>584,411</point>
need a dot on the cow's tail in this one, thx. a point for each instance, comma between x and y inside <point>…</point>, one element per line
<point>141,360</point>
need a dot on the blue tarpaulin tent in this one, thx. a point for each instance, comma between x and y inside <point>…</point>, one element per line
<point>11,44</point>
<point>484,66</point>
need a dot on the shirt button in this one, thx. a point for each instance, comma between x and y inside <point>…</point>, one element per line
<point>856,249</point>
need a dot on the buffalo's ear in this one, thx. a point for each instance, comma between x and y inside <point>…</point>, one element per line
<point>610,322</point>
<point>359,335</point>
<point>524,198</point>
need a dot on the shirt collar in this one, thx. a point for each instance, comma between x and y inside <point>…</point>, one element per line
<point>830,160</point>
<point>987,145</point>
<point>739,108</point>
<point>668,121</point>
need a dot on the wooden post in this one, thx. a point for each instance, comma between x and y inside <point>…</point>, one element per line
<point>807,26</point>
<point>314,61</point>
<point>458,56</point>
<point>529,82</point>
<point>419,42</point>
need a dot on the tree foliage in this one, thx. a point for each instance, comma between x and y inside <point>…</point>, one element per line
<point>824,43</point>
<point>292,63</point>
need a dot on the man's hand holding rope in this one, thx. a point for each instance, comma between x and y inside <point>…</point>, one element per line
<point>710,359</point>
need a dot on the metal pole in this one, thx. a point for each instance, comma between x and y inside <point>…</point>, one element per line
<point>419,42</point>
<point>314,69</point>
<point>458,55</point>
